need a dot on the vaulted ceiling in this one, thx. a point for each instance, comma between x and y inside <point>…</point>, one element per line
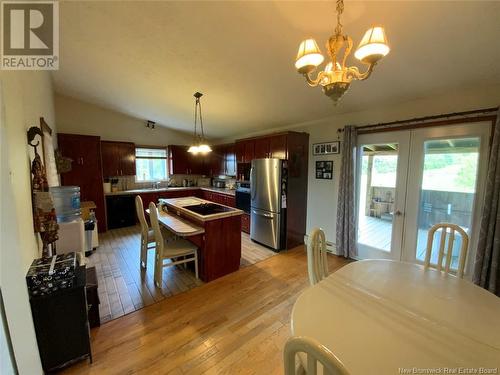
<point>147,59</point>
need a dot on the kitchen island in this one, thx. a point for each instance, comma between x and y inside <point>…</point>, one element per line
<point>220,244</point>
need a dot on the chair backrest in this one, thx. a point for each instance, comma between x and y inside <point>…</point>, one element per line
<point>447,231</point>
<point>153,216</point>
<point>315,353</point>
<point>139,208</point>
<point>317,264</point>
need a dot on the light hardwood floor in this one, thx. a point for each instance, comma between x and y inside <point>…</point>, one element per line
<point>124,287</point>
<point>237,324</point>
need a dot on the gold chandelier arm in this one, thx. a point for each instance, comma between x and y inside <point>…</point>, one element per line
<point>314,82</point>
<point>353,72</point>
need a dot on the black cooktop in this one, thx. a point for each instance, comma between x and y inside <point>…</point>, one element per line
<point>208,208</point>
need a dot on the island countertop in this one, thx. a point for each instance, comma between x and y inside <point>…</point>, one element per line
<point>177,205</point>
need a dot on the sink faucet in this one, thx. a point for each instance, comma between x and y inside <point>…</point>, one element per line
<point>155,185</point>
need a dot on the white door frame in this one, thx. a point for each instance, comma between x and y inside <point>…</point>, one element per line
<point>419,136</point>
<point>402,138</point>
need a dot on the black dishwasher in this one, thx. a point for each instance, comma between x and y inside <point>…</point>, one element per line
<point>120,211</point>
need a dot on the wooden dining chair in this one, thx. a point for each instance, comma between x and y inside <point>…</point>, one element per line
<point>315,352</point>
<point>147,234</point>
<point>177,249</point>
<point>317,263</point>
<point>447,230</point>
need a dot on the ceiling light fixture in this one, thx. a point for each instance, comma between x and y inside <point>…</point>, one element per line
<point>337,77</point>
<point>200,145</point>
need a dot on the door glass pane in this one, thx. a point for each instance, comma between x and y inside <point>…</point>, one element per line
<point>448,191</point>
<point>377,194</point>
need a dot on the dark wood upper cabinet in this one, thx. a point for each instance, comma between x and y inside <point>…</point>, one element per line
<point>278,147</point>
<point>215,161</point>
<point>249,151</point>
<point>118,158</point>
<point>110,159</point>
<point>239,148</point>
<point>183,162</point>
<point>178,159</point>
<point>262,149</point>
<point>230,160</point>
<point>197,163</point>
<point>86,170</point>
<point>127,158</point>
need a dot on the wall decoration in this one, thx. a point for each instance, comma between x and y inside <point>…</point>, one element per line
<point>44,214</point>
<point>324,170</point>
<point>326,148</point>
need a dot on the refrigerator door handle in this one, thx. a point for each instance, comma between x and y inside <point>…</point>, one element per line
<point>268,216</point>
<point>253,185</point>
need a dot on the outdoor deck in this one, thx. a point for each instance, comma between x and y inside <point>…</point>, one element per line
<point>377,233</point>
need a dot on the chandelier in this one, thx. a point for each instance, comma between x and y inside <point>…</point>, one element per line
<point>337,77</point>
<point>200,146</point>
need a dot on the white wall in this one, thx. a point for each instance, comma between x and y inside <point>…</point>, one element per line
<point>27,96</point>
<point>78,117</point>
<point>323,194</point>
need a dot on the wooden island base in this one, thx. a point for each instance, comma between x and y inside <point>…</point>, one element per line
<point>219,247</point>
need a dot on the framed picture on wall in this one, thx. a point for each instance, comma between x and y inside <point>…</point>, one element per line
<point>326,148</point>
<point>324,170</point>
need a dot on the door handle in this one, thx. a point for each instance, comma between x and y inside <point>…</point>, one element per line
<point>252,184</point>
<point>268,216</point>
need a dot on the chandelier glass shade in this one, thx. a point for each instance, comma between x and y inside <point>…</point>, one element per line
<point>336,78</point>
<point>200,145</point>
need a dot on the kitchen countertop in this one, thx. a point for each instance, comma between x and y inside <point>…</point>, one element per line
<point>177,225</point>
<point>176,205</point>
<point>150,190</point>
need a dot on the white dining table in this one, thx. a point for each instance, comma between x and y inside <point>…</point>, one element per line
<point>387,317</point>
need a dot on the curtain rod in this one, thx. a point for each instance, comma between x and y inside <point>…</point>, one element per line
<point>427,118</point>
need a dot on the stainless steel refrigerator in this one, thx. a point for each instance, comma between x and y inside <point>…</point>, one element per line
<point>268,181</point>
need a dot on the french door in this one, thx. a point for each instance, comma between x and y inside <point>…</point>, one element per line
<point>407,181</point>
<point>381,189</point>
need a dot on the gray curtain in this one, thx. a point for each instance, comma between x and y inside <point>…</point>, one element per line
<point>346,207</point>
<point>486,270</point>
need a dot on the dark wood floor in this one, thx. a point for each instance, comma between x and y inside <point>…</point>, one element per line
<point>237,324</point>
<point>124,287</point>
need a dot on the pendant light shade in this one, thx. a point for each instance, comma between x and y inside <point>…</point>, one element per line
<point>193,149</point>
<point>373,46</point>
<point>308,57</point>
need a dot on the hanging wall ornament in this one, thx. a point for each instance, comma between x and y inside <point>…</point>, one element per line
<point>44,214</point>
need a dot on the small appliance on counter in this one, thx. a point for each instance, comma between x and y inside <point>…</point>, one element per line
<point>114,185</point>
<point>106,186</point>
<point>219,183</point>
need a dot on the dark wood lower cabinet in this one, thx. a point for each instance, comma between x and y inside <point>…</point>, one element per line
<point>245,223</point>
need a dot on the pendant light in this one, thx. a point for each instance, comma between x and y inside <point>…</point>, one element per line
<point>200,145</point>
<point>336,78</point>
